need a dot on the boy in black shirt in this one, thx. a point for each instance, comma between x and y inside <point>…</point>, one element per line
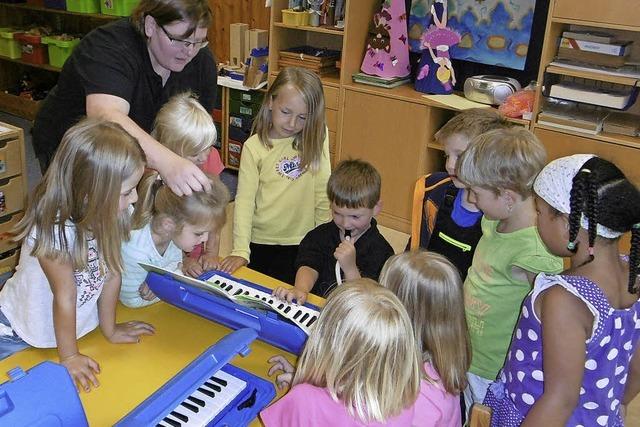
<point>354,193</point>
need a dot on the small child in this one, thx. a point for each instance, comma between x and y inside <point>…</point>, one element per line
<point>444,221</point>
<point>186,128</point>
<point>68,277</point>
<point>283,176</point>
<point>164,225</point>
<point>360,365</point>
<point>429,287</point>
<point>499,168</point>
<point>352,238</point>
<point>575,357</point>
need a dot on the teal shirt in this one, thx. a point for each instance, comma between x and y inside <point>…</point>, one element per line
<point>492,294</point>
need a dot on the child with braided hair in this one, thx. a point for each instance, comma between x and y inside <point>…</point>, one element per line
<point>583,368</point>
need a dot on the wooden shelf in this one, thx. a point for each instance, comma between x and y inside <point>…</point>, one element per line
<point>599,25</point>
<point>59,11</point>
<point>323,30</point>
<point>628,141</point>
<point>328,80</point>
<point>31,64</point>
<point>593,75</point>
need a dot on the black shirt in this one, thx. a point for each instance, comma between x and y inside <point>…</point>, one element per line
<point>317,248</point>
<point>113,59</point>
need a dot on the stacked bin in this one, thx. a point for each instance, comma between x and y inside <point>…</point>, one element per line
<point>118,7</point>
<point>243,107</point>
<point>9,47</point>
<point>217,120</point>
<point>83,6</point>
<point>59,50</point>
<point>33,50</point>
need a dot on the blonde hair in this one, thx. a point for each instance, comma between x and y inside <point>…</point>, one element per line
<point>206,208</point>
<point>354,184</point>
<point>472,122</point>
<point>82,186</point>
<point>362,350</point>
<point>430,288</point>
<point>502,159</point>
<point>184,126</point>
<point>309,142</point>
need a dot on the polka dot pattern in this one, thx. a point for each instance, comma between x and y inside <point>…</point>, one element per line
<point>616,334</point>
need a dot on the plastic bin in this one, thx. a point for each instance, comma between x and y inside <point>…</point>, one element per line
<point>59,50</point>
<point>118,7</point>
<point>241,107</point>
<point>234,150</point>
<point>55,4</point>
<point>32,48</point>
<point>238,134</point>
<point>291,17</point>
<point>83,6</point>
<point>247,96</point>
<point>8,46</point>
<point>241,121</point>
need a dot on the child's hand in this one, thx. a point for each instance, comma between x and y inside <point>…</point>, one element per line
<point>279,363</point>
<point>192,267</point>
<point>232,263</point>
<point>145,292</point>
<point>345,253</point>
<point>82,369</point>
<point>290,294</point>
<point>130,332</point>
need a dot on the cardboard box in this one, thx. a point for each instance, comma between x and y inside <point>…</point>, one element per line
<point>255,39</point>
<point>236,43</point>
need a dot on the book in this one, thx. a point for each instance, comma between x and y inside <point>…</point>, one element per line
<point>591,57</point>
<point>591,36</point>
<point>594,95</point>
<point>622,124</point>
<point>616,49</point>
<point>583,120</point>
<point>388,82</point>
<point>567,127</point>
<point>627,70</point>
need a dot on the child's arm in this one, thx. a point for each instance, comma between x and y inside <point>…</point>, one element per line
<point>208,259</point>
<point>633,379</point>
<point>306,277</point>
<point>568,322</point>
<point>59,274</point>
<point>116,333</point>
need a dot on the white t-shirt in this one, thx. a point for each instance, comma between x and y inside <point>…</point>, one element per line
<point>27,300</point>
<point>140,248</point>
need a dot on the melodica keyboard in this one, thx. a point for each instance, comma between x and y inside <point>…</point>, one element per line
<point>208,392</point>
<point>286,328</point>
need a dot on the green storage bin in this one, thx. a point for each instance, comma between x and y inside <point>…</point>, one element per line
<point>83,6</point>
<point>118,7</point>
<point>252,96</point>
<point>241,107</point>
<point>59,50</point>
<point>8,46</point>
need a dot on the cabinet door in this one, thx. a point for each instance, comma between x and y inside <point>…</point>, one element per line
<point>619,12</point>
<point>560,144</point>
<point>392,135</point>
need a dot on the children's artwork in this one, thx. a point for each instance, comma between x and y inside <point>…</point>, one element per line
<point>435,71</point>
<point>387,53</point>
<point>494,32</point>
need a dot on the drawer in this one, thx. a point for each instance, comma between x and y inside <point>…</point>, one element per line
<point>332,119</point>
<point>331,97</point>
<point>234,149</point>
<point>332,142</point>
<point>6,225</point>
<point>242,107</point>
<point>9,260</point>
<point>598,11</point>
<point>11,195</point>
<point>10,158</point>
<point>252,96</point>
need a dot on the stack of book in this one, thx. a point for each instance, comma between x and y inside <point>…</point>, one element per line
<point>594,93</point>
<point>622,124</point>
<point>593,48</point>
<point>320,61</point>
<point>588,121</point>
<point>387,82</point>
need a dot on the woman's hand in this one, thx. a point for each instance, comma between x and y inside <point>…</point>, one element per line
<point>130,332</point>
<point>232,263</point>
<point>279,363</point>
<point>181,175</point>
<point>82,369</point>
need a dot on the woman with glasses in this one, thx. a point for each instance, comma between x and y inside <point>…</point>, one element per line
<point>125,71</point>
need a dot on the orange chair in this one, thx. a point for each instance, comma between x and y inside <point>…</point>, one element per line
<point>480,416</point>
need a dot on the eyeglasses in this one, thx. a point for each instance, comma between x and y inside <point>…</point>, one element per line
<point>186,43</point>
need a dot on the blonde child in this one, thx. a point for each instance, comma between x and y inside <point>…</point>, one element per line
<point>283,176</point>
<point>186,128</point>
<point>499,168</point>
<point>68,277</point>
<point>575,358</point>
<point>360,365</point>
<point>352,238</point>
<point>429,287</point>
<point>164,225</point>
<point>445,221</point>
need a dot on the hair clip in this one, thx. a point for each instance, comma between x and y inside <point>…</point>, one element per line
<point>571,246</point>
<point>636,226</point>
<point>585,170</point>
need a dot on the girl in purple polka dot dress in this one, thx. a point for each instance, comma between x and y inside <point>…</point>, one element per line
<point>574,357</point>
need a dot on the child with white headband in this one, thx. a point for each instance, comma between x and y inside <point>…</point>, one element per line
<point>574,358</point>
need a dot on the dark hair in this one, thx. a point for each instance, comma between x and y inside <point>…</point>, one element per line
<point>195,12</point>
<point>602,192</point>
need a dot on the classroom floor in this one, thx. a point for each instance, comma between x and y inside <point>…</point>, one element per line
<point>398,240</point>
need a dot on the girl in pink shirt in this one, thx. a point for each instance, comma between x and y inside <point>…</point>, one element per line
<point>430,288</point>
<point>360,366</point>
<point>186,128</point>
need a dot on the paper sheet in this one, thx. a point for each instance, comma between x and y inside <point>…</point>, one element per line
<point>455,102</point>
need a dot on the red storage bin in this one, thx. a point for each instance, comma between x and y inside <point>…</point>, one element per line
<point>32,49</point>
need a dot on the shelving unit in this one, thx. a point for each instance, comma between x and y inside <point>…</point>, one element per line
<point>21,15</point>
<point>618,18</point>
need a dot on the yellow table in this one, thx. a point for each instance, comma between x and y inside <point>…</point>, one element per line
<point>132,372</point>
